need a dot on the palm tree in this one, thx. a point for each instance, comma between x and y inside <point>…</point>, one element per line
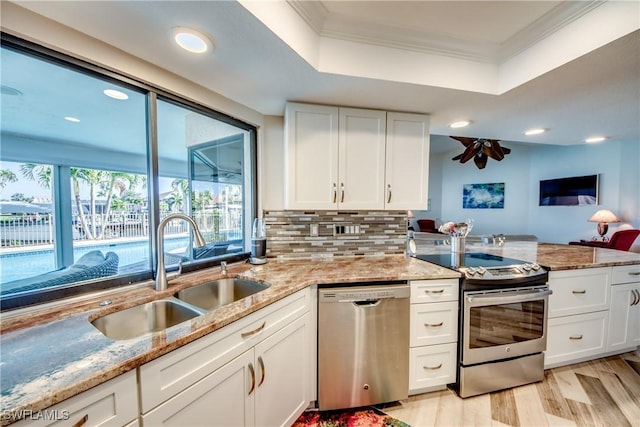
<point>180,189</point>
<point>6,177</point>
<point>114,181</point>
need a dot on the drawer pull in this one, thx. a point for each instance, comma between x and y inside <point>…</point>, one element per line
<point>580,292</point>
<point>636,297</point>
<point>437,291</point>
<point>255,331</point>
<point>575,337</point>
<point>634,273</point>
<point>389,192</point>
<point>253,379</point>
<point>261,362</point>
<point>433,325</point>
<point>432,368</point>
<point>335,192</point>
<point>82,421</point>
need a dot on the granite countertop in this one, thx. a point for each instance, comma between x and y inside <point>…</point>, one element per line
<point>53,354</point>
<point>552,256</point>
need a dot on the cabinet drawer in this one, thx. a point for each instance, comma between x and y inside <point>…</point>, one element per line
<point>434,290</point>
<point>166,376</point>
<point>435,323</point>
<point>579,291</point>
<point>431,366</point>
<point>626,274</point>
<point>574,337</point>
<point>113,403</point>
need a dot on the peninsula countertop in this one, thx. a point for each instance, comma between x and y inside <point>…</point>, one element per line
<point>51,355</point>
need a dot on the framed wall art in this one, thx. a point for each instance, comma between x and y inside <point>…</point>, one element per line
<point>483,196</point>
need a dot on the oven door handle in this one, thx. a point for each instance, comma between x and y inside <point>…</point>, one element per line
<point>511,297</point>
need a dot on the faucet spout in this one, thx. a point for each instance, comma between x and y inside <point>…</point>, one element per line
<point>161,274</point>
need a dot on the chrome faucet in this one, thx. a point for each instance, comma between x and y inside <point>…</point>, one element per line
<point>223,268</point>
<point>161,274</point>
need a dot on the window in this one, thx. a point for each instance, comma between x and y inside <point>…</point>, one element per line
<point>84,181</point>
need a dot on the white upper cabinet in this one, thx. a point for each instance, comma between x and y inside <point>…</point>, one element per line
<point>407,161</point>
<point>361,144</point>
<point>311,156</point>
<point>355,159</point>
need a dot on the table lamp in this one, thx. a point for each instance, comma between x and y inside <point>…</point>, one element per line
<point>603,217</point>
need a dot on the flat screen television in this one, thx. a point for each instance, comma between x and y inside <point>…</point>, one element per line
<point>572,191</point>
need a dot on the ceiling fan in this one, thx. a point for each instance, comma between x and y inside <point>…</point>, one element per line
<point>480,149</point>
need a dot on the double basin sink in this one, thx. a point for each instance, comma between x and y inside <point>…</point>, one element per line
<point>185,305</point>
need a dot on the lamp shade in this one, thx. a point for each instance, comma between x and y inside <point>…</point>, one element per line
<point>603,215</point>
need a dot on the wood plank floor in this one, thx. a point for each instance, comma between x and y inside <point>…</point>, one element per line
<point>602,392</point>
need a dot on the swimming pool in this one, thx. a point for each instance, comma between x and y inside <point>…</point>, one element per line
<point>20,265</point>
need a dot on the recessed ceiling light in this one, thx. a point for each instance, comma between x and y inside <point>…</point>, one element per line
<point>115,94</point>
<point>72,119</point>
<point>460,124</point>
<point>594,139</point>
<point>192,40</point>
<point>534,131</point>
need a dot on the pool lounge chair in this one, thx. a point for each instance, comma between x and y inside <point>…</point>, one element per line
<point>91,265</point>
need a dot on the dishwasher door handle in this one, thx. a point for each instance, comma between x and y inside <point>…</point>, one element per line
<point>367,303</point>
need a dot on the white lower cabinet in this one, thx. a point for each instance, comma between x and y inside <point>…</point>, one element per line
<point>265,386</point>
<point>624,319</point>
<point>576,337</point>
<point>113,403</point>
<point>433,334</point>
<point>255,371</point>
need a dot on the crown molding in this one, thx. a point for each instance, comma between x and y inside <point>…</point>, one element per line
<point>355,30</point>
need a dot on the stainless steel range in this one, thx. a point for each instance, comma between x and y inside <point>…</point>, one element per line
<point>503,321</point>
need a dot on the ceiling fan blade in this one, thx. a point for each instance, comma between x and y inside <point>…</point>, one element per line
<point>464,140</point>
<point>491,148</point>
<point>506,150</point>
<point>458,157</point>
<point>480,160</point>
<point>469,152</point>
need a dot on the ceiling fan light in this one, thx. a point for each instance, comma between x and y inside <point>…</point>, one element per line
<point>460,124</point>
<point>534,131</point>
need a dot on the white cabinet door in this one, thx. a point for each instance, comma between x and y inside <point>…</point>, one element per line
<point>579,291</point>
<point>283,374</point>
<point>624,317</point>
<point>226,397</point>
<point>113,403</point>
<point>311,157</point>
<point>432,367</point>
<point>407,161</point>
<point>361,159</point>
<point>576,337</point>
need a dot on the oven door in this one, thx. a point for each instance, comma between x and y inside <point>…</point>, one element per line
<point>504,324</point>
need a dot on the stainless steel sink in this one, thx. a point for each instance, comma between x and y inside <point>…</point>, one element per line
<point>210,295</point>
<point>150,317</point>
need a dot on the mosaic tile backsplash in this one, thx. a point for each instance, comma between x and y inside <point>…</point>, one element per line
<point>325,234</point>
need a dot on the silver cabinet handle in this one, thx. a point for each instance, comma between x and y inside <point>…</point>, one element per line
<point>82,421</point>
<point>432,368</point>
<point>575,337</point>
<point>335,192</point>
<point>388,193</point>
<point>579,292</point>
<point>437,291</point>
<point>261,362</point>
<point>433,325</point>
<point>253,379</point>
<point>341,192</point>
<point>636,297</point>
<point>634,273</point>
<point>255,331</point>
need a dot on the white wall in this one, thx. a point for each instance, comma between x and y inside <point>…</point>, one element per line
<point>513,171</point>
<point>616,162</point>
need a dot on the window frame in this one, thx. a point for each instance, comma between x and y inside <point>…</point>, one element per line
<point>152,94</point>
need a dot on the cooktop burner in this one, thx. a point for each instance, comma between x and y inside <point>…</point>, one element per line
<point>487,268</point>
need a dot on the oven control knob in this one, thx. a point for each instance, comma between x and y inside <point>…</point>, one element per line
<point>481,270</point>
<point>527,267</point>
<point>471,271</point>
<point>535,266</point>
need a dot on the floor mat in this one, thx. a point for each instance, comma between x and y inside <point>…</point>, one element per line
<point>362,417</point>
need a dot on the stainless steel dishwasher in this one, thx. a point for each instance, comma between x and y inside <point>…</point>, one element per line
<point>363,344</point>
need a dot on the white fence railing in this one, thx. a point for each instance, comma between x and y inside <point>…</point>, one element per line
<point>38,229</point>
